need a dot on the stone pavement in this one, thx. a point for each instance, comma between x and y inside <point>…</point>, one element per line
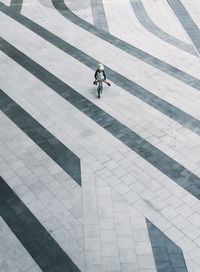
<point>99,185</point>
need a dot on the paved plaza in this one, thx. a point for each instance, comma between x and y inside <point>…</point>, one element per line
<point>109,184</point>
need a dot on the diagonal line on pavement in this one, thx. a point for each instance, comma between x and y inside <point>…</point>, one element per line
<point>63,156</point>
<point>186,21</point>
<point>166,253</point>
<point>98,14</point>
<point>16,5</point>
<point>33,236</point>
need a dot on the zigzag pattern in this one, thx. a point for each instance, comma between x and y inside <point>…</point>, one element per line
<point>99,185</point>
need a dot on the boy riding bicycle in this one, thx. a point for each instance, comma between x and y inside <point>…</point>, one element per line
<point>100,75</point>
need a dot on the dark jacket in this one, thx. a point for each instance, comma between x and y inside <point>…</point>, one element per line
<point>95,75</point>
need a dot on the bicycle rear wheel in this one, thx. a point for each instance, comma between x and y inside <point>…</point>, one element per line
<point>99,93</point>
<point>100,89</point>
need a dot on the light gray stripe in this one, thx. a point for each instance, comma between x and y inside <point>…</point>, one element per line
<point>146,21</point>
<point>186,21</point>
<point>99,16</point>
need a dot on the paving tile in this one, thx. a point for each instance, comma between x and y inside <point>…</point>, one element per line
<point>52,224</point>
<point>187,243</point>
<point>191,232</point>
<point>34,269</point>
<point>121,217</point>
<point>123,189</point>
<point>110,249</point>
<point>169,212</point>
<point>91,230</point>
<point>28,197</point>
<point>108,236</point>
<point>92,243</point>
<point>174,233</point>
<point>185,211</point>
<point>137,187</point>
<point>143,248</point>
<point>145,262</point>
<point>195,220</point>
<point>107,224</point>
<point>140,235</point>
<point>131,197</point>
<point>181,221</point>
<point>127,256</point>
<point>174,202</point>
<point>111,264</point>
<point>125,242</point>
<point>129,267</point>
<point>123,229</point>
<point>93,257</point>
<point>119,172</point>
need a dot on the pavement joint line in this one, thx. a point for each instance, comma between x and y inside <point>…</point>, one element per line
<point>175,171</point>
<point>131,87</point>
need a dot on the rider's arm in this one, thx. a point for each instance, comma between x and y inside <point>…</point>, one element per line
<point>95,75</point>
<point>104,75</point>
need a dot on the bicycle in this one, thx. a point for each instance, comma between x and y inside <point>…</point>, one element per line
<point>100,88</point>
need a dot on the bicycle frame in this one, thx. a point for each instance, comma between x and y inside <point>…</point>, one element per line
<point>100,88</point>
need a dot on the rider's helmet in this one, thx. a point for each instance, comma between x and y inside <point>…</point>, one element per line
<point>100,66</point>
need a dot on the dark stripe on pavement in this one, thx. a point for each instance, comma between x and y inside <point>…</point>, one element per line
<point>98,14</point>
<point>186,21</point>
<point>32,235</point>
<point>147,23</point>
<point>167,255</point>
<point>16,5</point>
<point>64,157</point>
<point>131,87</point>
<point>157,158</point>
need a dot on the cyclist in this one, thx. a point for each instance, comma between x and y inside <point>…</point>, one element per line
<point>100,74</point>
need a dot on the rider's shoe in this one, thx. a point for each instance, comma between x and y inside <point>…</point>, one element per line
<point>95,83</point>
<point>108,84</point>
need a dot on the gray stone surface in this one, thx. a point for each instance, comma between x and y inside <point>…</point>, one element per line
<point>100,224</point>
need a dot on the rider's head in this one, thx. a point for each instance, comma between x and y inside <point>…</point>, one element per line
<point>100,67</point>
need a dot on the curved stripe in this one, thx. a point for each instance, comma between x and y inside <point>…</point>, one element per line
<point>16,5</point>
<point>131,87</point>
<point>168,256</point>
<point>147,23</point>
<point>64,157</point>
<point>99,16</point>
<point>143,148</point>
<point>45,251</point>
<point>186,21</point>
<point>130,49</point>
